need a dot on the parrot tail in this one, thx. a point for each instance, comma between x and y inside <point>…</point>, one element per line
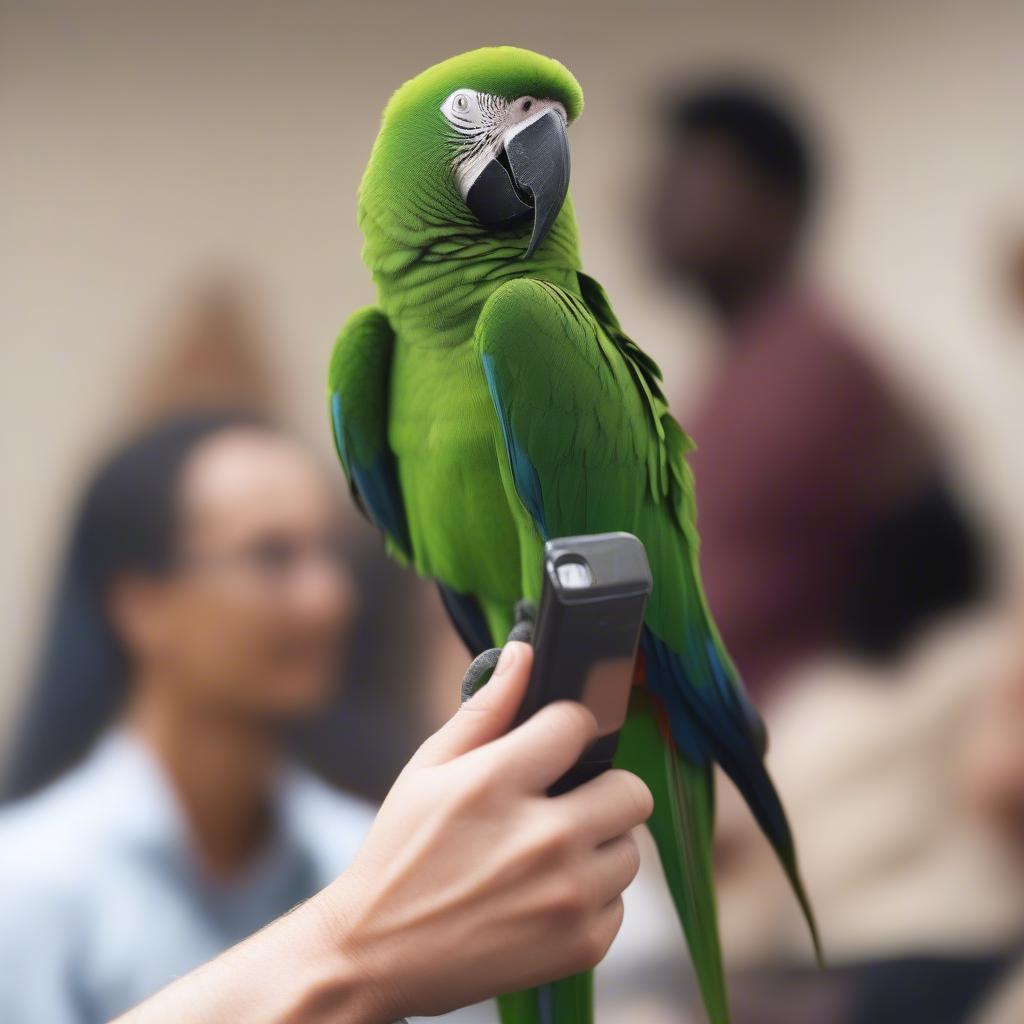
<point>682,827</point>
<point>711,718</point>
<point>569,1001</point>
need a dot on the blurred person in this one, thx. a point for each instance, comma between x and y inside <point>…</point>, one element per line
<point>201,611</point>
<point>212,348</point>
<point>903,783</point>
<point>828,528</point>
<point>824,519</point>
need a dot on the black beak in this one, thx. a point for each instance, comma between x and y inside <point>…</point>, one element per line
<point>531,177</point>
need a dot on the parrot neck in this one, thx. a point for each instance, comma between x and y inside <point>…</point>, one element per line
<point>435,291</point>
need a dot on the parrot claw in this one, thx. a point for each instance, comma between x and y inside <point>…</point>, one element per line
<point>526,616</point>
<point>479,671</point>
<point>481,667</point>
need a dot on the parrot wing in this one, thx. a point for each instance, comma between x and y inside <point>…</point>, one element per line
<point>682,498</point>
<point>357,387</point>
<point>592,447</point>
<point>723,710</point>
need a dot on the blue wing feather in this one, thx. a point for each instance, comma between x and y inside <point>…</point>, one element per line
<point>358,386</point>
<point>524,474</point>
<point>376,484</point>
<point>467,618</point>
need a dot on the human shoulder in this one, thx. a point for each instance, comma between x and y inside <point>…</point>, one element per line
<point>51,852</point>
<point>61,836</point>
<point>46,835</point>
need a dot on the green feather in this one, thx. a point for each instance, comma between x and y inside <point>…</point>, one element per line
<point>564,1002</point>
<point>683,832</point>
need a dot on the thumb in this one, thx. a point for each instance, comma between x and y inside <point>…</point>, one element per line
<point>488,714</point>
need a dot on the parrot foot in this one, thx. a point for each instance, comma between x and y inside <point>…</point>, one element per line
<point>479,671</point>
<point>481,667</point>
<point>526,616</point>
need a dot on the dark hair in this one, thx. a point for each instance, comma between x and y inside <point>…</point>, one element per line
<point>759,128</point>
<point>127,521</point>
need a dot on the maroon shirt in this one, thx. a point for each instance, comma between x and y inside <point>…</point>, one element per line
<point>800,451</point>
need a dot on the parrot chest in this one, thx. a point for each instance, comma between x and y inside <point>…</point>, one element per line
<point>442,430</point>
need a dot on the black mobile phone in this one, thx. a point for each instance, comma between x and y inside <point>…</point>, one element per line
<point>586,634</point>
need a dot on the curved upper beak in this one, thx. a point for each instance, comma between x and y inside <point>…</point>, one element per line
<point>538,154</point>
<point>530,177</point>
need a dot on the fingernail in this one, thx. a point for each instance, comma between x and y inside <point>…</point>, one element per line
<point>509,653</point>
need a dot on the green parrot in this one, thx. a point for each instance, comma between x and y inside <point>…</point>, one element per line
<point>491,401</point>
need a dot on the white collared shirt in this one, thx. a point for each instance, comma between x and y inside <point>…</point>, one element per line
<point>102,899</point>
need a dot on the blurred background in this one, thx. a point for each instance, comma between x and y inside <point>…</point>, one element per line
<point>177,184</point>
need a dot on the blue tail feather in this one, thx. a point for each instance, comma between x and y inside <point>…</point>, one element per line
<point>711,720</point>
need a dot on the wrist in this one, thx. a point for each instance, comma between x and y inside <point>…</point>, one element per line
<point>340,987</point>
<point>291,972</point>
<point>329,984</point>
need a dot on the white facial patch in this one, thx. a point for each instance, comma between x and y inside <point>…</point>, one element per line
<point>483,124</point>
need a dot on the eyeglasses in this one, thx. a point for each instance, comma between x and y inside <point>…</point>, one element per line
<point>274,561</point>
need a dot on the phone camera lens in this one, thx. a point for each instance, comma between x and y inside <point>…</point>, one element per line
<point>574,575</point>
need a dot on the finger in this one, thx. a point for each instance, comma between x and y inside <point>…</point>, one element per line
<point>612,867</point>
<point>570,951</point>
<point>545,747</point>
<point>608,806</point>
<point>487,714</point>
<point>603,930</point>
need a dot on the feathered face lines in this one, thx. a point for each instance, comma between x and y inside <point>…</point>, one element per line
<point>511,159</point>
<point>482,124</point>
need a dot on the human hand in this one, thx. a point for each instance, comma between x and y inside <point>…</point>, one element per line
<point>473,881</point>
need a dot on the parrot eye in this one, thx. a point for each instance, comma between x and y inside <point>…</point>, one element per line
<point>463,110</point>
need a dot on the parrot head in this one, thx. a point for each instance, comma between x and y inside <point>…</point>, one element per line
<point>478,140</point>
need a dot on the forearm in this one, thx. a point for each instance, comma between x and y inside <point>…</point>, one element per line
<point>291,972</point>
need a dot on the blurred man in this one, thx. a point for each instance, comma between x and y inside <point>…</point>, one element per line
<point>201,610</point>
<point>808,471</point>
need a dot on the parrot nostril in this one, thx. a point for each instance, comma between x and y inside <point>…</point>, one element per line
<point>527,104</point>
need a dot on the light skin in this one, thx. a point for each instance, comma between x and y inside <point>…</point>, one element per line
<point>241,637</point>
<point>472,882</point>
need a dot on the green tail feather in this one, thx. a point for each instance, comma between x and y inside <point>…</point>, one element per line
<point>682,826</point>
<point>569,1001</point>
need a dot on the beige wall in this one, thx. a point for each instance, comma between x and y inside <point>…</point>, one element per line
<point>143,143</point>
